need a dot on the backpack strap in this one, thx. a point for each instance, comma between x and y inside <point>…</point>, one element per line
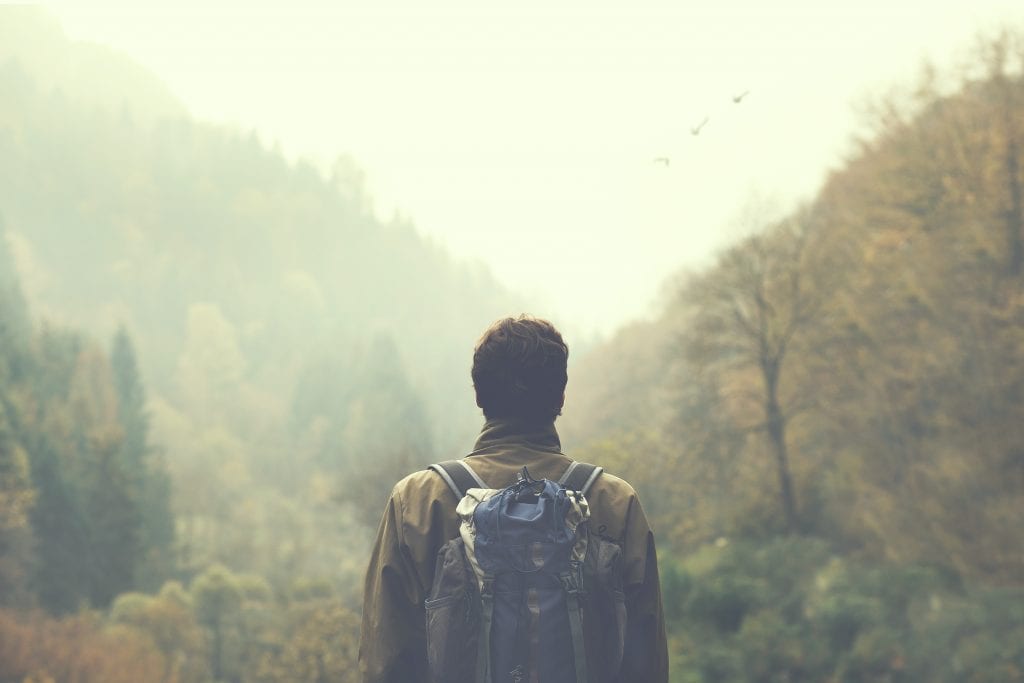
<point>483,653</point>
<point>459,476</point>
<point>573,586</point>
<point>580,476</point>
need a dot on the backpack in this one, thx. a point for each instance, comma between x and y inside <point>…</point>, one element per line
<point>525,591</point>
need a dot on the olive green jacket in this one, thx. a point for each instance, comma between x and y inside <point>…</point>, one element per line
<point>420,518</point>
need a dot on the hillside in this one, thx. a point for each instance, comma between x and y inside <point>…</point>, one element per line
<point>292,340</point>
<point>825,426</point>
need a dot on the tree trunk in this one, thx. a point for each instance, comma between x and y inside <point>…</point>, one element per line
<point>218,648</point>
<point>776,425</point>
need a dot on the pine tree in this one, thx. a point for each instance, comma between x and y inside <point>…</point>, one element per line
<point>147,477</point>
<point>114,518</point>
<point>59,579</point>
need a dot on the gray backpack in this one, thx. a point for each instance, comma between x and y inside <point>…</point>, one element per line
<point>525,593</point>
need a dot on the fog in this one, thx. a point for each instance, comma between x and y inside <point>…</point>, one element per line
<point>523,135</point>
<point>246,251</point>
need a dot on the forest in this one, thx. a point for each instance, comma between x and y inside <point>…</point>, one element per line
<point>215,362</point>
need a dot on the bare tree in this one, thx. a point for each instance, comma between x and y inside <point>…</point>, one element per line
<point>747,314</point>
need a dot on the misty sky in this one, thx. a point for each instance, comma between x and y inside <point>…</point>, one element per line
<point>523,134</point>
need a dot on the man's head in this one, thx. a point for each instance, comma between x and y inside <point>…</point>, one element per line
<point>519,369</point>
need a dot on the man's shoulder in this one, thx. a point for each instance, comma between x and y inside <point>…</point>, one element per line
<point>423,483</point>
<point>612,484</point>
<point>615,508</point>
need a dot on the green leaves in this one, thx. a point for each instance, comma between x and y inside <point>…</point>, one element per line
<point>792,610</point>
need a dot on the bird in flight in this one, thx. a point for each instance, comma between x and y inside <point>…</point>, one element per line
<point>665,161</point>
<point>739,98</point>
<point>696,129</point>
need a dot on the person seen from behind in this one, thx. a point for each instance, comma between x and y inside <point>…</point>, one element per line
<point>519,377</point>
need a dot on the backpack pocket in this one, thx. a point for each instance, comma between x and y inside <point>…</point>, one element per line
<point>452,618</point>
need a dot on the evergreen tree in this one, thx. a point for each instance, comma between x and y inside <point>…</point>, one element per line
<point>15,325</point>
<point>59,579</point>
<point>86,520</point>
<point>113,514</point>
<point>131,403</point>
<point>146,475</point>
<point>103,478</point>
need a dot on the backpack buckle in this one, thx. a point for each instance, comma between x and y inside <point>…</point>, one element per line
<point>572,581</point>
<point>526,484</point>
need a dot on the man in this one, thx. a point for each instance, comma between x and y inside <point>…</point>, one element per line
<point>519,375</point>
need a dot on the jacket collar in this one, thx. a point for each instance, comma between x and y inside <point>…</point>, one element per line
<point>535,435</point>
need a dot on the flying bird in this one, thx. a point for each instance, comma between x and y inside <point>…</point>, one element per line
<point>696,129</point>
<point>665,161</point>
<point>739,98</point>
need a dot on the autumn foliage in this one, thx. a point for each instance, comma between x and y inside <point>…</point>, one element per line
<point>36,648</point>
<point>841,397</point>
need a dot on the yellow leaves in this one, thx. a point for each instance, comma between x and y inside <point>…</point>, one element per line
<point>322,648</point>
<point>884,243</point>
<point>79,648</point>
<point>211,363</point>
<point>39,677</point>
<point>742,397</point>
<point>16,492</point>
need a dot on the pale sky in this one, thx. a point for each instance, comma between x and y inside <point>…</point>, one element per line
<point>523,134</point>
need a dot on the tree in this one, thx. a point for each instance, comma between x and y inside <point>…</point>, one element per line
<point>375,420</point>
<point>376,454</point>
<point>60,577</point>
<point>131,403</point>
<point>711,446</point>
<point>86,520</point>
<point>998,55</point>
<point>322,648</point>
<point>168,620</point>
<point>211,364</point>
<point>114,521</point>
<point>16,500</point>
<point>103,479</point>
<point>15,322</point>
<point>927,429</point>
<point>147,477</point>
<point>217,599</point>
<point>748,315</point>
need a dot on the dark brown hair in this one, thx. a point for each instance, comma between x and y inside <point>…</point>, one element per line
<point>519,369</point>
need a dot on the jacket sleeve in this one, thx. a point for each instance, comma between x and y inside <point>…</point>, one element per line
<point>391,642</point>
<point>645,658</point>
